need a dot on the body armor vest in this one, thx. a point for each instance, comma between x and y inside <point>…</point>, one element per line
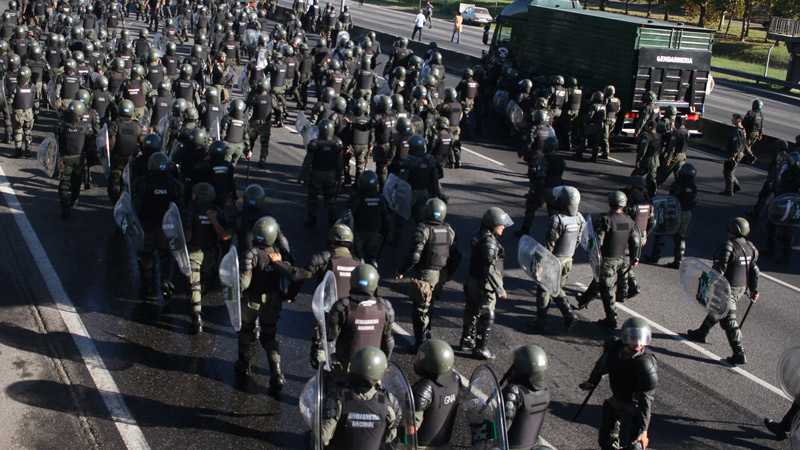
<point>616,239</point>
<point>364,326</point>
<point>570,233</point>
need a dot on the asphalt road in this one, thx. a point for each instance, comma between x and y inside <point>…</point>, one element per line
<point>780,111</point>
<point>136,379</point>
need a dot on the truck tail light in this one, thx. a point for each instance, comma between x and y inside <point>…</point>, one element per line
<point>631,115</point>
<point>693,117</point>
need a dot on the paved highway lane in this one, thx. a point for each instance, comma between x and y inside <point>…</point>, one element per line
<point>181,390</point>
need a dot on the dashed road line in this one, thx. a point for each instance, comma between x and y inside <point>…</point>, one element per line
<point>121,416</point>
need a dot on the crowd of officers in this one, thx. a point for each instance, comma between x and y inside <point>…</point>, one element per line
<point>174,125</point>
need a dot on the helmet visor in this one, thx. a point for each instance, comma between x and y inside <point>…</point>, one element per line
<point>634,336</point>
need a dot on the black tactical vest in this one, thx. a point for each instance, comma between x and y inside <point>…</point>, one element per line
<point>437,249</point>
<point>24,97</point>
<point>100,102</point>
<point>263,279</point>
<point>472,90</point>
<point>364,326</point>
<point>278,75</point>
<point>616,239</point>
<point>365,79</point>
<point>325,155</point>
<point>739,263</point>
<point>570,233</point>
<point>115,79</point>
<point>203,234</point>
<point>383,133</point>
<point>362,422</point>
<point>127,140</point>
<point>575,99</point>
<point>479,241</point>
<point>161,108</point>
<point>70,86</point>
<point>155,74</point>
<point>134,91</point>
<point>419,172</point>
<point>444,141</point>
<point>455,113</point>
<point>623,374</point>
<point>159,191</point>
<point>438,419</point>
<point>213,111</point>
<point>342,267</point>
<point>236,129</point>
<point>524,431</point>
<point>72,139</point>
<point>368,214</point>
<point>185,89</point>
<point>171,64</point>
<point>361,131</point>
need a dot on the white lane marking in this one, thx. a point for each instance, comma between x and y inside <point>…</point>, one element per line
<point>610,158</point>
<point>782,283</point>
<point>126,425</point>
<point>401,331</point>
<point>721,158</point>
<point>700,349</point>
<point>482,156</point>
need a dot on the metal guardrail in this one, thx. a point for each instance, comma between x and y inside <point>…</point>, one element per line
<point>784,26</point>
<point>757,78</point>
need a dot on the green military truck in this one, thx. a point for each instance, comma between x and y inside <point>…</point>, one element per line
<point>598,48</point>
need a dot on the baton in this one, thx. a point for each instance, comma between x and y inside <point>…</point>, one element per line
<point>747,311</point>
<point>585,401</point>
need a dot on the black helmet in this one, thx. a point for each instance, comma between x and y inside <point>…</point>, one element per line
<point>254,197</point>
<point>368,363</point>
<point>339,104</point>
<point>435,209</point>
<point>83,96</point>
<point>638,182</point>
<point>541,117</point>
<point>24,75</point>
<point>384,103</point>
<point>609,90</point>
<point>217,149</point>
<point>191,112</point>
<point>436,58</point>
<point>152,142</point>
<point>443,123</point>
<point>327,95</point>
<point>434,357</point>
<point>617,199</point>
<point>265,231</point>
<point>687,170</point>
<point>237,108</point>
<point>568,199</point>
<point>398,102</point>
<point>76,110</point>
<point>326,129</point>
<point>364,278</point>
<point>186,71</point>
<point>781,145</point>
<point>198,137</point>
<point>416,144</point>
<point>399,72</point>
<point>449,95</point>
<point>204,192</point>
<point>212,94</point>
<point>158,162</point>
<point>403,125</point>
<point>739,227</point>
<point>757,104</point>
<point>597,97</point>
<point>419,92</point>
<point>126,108</point>
<point>368,182</point>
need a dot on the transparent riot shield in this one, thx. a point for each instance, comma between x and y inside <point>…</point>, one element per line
<point>48,155</point>
<point>705,286</point>
<point>500,101</point>
<point>789,372</point>
<point>103,150</point>
<point>667,210</point>
<point>418,124</point>
<point>794,433</point>
<point>324,297</point>
<point>785,210</point>
<point>127,221</point>
<point>144,121</point>
<point>173,230</point>
<point>126,173</point>
<point>590,244</point>
<point>162,128</point>
<point>310,404</point>
<point>307,131</point>
<point>262,60</point>
<point>215,131</point>
<point>231,292</point>
<point>51,95</point>
<point>243,82</point>
<point>250,38</point>
<point>346,219</point>
<point>397,193</point>
<point>385,89</point>
<point>160,41</point>
<point>515,115</point>
<point>483,408</point>
<point>4,100</point>
<point>342,35</point>
<point>540,264</point>
<point>396,383</point>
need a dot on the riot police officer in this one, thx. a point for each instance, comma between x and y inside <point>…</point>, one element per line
<point>435,256</point>
<point>419,169</point>
<point>262,300</point>
<point>362,398</point>
<point>370,217</point>
<point>124,137</point>
<point>771,183</point>
<point>467,90</point>
<point>217,172</point>
<point>363,136</point>
<point>736,150</point>
<point>674,155</point>
<point>452,109</point>
<point>650,112</point>
<point>71,134</point>
<point>526,397</point>
<point>233,132</point>
<point>435,394</point>
<point>613,107</point>
<point>736,260</point>
<point>631,369</point>
<point>616,233</point>
<point>647,156</point>
<point>152,195</point>
<point>260,102</point>
<point>484,283</point>
<point>383,123</point>
<point>685,190</point>
<point>753,123</point>
<point>561,238</point>
<point>361,318</point>
<point>321,171</point>
<point>21,98</point>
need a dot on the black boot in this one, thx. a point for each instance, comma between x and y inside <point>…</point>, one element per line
<point>196,326</point>
<point>467,338</point>
<point>481,350</point>
<point>242,365</point>
<point>777,429</point>
<point>699,335</point>
<point>276,379</point>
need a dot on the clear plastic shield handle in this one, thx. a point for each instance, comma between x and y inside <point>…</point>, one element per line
<point>789,372</point>
<point>396,383</point>
<point>705,286</point>
<point>515,115</point>
<point>48,155</point>
<point>310,404</point>
<point>127,221</point>
<point>785,210</point>
<point>540,264</point>
<point>397,193</point>
<point>173,230</point>
<point>483,408</point>
<point>231,289</point>
<point>667,211</point>
<point>590,244</point>
<point>103,149</point>
<point>324,297</point>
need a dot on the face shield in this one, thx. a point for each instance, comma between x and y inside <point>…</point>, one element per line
<point>635,336</point>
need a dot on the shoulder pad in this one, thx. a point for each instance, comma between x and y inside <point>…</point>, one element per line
<point>646,368</point>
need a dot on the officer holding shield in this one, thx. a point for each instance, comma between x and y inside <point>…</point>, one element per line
<point>631,370</point>
<point>736,261</point>
<point>526,397</point>
<point>71,134</point>
<point>436,394</point>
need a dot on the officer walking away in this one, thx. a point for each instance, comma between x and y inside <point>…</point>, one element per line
<point>71,134</point>
<point>736,260</point>
<point>736,150</point>
<point>753,123</point>
<point>484,283</point>
<point>361,318</point>
<point>674,153</point>
<point>203,229</point>
<point>526,397</point>
<point>21,98</point>
<point>435,395</point>
<point>561,238</point>
<point>782,429</point>
<point>771,183</point>
<point>613,107</point>
<point>631,369</point>
<point>361,411</point>
<point>124,137</point>
<point>685,190</point>
<point>647,156</point>
<point>152,195</point>
<point>261,299</point>
<point>435,256</point>
<point>370,217</point>
<point>788,183</point>
<point>616,233</point>
<point>321,171</point>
